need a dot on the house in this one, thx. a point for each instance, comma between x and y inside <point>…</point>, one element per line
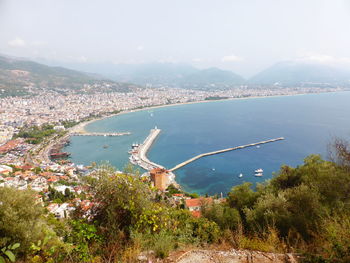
<point>195,205</point>
<point>59,128</point>
<point>60,211</point>
<point>5,170</point>
<point>178,198</point>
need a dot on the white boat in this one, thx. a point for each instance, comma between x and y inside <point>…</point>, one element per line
<point>258,174</point>
<point>240,175</point>
<point>259,170</point>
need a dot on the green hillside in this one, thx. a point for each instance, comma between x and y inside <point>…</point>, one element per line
<point>22,77</point>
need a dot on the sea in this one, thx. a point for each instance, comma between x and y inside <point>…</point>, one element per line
<point>309,123</point>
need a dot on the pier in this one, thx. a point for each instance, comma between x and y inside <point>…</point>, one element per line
<point>139,157</point>
<point>109,134</point>
<point>222,151</point>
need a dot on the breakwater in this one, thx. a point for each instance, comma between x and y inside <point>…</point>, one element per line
<point>109,134</point>
<point>139,154</point>
<point>222,151</point>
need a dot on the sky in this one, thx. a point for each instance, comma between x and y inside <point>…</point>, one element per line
<point>244,36</point>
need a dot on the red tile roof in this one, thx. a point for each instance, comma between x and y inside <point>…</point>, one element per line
<point>198,201</point>
<point>196,213</point>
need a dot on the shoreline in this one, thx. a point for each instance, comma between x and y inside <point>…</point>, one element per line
<point>81,127</point>
<point>84,124</point>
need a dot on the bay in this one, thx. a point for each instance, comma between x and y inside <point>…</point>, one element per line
<point>308,123</point>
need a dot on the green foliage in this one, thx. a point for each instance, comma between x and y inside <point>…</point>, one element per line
<point>242,196</point>
<point>21,218</point>
<point>58,197</point>
<point>172,190</point>
<point>192,195</point>
<point>216,98</point>
<point>122,200</point>
<point>82,235</point>
<point>298,203</point>
<point>7,253</point>
<point>224,216</point>
<point>69,124</point>
<point>36,134</point>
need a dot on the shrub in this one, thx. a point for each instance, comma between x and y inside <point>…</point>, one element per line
<point>21,218</point>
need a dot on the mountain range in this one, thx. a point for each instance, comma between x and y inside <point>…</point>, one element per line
<point>287,73</point>
<point>171,74</point>
<point>21,76</point>
<point>291,73</point>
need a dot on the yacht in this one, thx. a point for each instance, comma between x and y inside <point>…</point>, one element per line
<point>259,172</point>
<point>240,175</point>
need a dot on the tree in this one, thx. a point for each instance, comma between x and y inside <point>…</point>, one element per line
<point>121,199</point>
<point>242,196</point>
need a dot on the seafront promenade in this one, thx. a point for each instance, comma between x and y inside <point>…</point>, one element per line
<point>109,134</point>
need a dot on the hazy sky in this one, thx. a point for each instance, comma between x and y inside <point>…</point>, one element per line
<point>241,35</point>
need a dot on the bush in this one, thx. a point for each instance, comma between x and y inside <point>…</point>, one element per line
<point>21,218</point>
<point>223,215</point>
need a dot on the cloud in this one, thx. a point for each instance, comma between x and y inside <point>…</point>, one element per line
<point>38,43</point>
<point>323,58</point>
<point>140,48</point>
<point>231,58</point>
<point>197,60</point>
<point>17,42</point>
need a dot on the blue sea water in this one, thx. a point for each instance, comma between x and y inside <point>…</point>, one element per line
<point>308,122</point>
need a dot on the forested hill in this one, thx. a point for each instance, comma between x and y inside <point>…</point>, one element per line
<point>24,77</point>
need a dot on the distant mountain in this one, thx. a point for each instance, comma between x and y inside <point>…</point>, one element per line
<point>298,73</point>
<point>213,76</point>
<point>171,74</point>
<point>21,77</point>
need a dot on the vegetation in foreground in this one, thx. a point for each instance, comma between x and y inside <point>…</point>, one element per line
<point>303,210</point>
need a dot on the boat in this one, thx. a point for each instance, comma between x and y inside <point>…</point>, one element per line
<point>240,175</point>
<point>105,146</point>
<point>259,172</point>
<point>134,148</point>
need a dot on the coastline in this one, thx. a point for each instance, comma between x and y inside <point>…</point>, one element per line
<point>246,104</point>
<point>81,127</point>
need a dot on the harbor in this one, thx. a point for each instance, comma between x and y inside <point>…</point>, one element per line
<point>139,156</point>
<point>139,152</point>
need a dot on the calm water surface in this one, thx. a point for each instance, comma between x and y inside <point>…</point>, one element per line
<point>308,122</point>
